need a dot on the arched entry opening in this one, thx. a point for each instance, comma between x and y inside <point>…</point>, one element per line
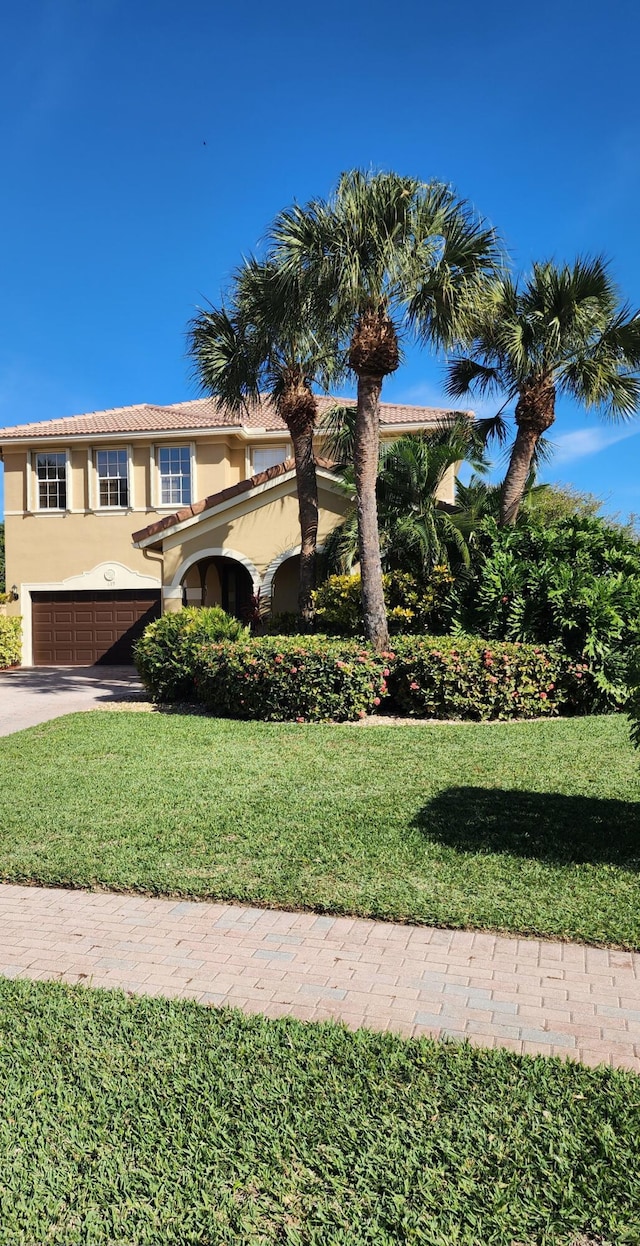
<point>217,580</point>
<point>285,586</point>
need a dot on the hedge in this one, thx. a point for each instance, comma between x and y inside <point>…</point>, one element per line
<point>280,679</point>
<point>188,657</point>
<point>165,653</point>
<point>446,677</point>
<point>10,640</point>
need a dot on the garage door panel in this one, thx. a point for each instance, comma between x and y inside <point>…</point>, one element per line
<point>81,629</point>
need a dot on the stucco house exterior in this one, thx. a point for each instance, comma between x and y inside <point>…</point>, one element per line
<point>114,516</point>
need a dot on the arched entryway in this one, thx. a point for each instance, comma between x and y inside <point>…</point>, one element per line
<point>219,580</point>
<point>285,586</point>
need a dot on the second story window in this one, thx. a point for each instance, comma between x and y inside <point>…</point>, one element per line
<point>113,477</point>
<point>174,466</point>
<point>51,472</point>
<point>263,457</point>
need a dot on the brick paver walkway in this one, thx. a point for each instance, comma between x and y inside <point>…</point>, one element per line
<point>526,994</point>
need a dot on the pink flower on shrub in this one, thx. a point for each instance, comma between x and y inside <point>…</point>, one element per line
<point>299,720</point>
<point>543,696</point>
<point>362,713</point>
<point>376,700</point>
<point>386,672</point>
<point>413,685</point>
<point>341,665</point>
<point>294,670</point>
<point>278,657</point>
<point>493,679</point>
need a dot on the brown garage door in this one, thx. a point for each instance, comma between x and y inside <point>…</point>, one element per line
<point>80,629</point>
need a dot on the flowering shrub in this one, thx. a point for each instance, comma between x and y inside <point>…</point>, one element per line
<point>164,654</point>
<point>301,678</point>
<point>447,677</point>
<point>10,640</point>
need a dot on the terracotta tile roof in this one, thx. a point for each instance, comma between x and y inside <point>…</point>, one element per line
<point>201,413</point>
<point>224,495</point>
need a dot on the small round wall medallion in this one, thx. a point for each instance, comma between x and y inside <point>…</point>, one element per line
<point>110,574</point>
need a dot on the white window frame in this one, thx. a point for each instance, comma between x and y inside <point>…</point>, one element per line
<point>284,451</point>
<point>35,491</point>
<point>94,480</point>
<point>156,475</point>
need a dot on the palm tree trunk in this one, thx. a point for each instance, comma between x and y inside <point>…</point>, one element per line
<point>307,487</point>
<point>535,413</point>
<point>298,408</point>
<point>365,460</point>
<point>518,472</point>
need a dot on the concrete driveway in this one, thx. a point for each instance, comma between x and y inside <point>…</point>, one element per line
<point>36,694</point>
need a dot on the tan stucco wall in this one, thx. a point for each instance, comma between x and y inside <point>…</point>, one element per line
<point>260,535</point>
<point>49,548</point>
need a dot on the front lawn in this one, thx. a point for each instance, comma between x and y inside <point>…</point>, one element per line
<point>141,1121</point>
<point>530,827</point>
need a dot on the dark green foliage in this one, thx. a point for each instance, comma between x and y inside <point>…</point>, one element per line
<point>468,678</point>
<point>311,679</point>
<point>10,641</point>
<point>634,700</point>
<point>528,826</point>
<point>417,533</point>
<point>164,654</point>
<point>574,583</point>
<point>148,1121</point>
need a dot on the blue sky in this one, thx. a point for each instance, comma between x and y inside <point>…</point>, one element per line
<point>146,144</point>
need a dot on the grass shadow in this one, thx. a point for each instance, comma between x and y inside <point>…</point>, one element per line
<point>544,826</point>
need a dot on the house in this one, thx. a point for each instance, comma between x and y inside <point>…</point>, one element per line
<point>114,516</point>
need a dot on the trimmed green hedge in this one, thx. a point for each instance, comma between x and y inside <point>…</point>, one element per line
<point>446,677</point>
<point>301,678</point>
<point>165,653</point>
<point>188,657</point>
<point>10,640</point>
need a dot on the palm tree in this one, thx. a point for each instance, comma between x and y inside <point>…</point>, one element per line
<point>417,532</point>
<point>387,256</point>
<point>563,331</point>
<point>267,342</point>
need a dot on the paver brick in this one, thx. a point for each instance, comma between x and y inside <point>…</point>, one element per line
<point>531,996</point>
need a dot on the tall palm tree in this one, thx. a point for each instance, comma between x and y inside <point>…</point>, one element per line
<point>386,256</point>
<point>563,331</point>
<point>266,341</point>
<point>417,532</point>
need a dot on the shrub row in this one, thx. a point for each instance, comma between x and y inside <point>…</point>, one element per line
<point>320,678</point>
<point>299,678</point>
<point>447,677</point>
<point>10,640</point>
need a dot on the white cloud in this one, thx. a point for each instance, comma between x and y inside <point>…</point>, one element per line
<point>567,447</point>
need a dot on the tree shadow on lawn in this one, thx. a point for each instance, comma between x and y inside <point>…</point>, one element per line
<point>545,826</point>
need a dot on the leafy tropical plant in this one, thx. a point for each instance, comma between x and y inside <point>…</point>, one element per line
<point>562,331</point>
<point>412,605</point>
<point>575,583</point>
<point>417,531</point>
<point>267,339</point>
<point>385,257</point>
<point>10,641</point>
<point>164,655</point>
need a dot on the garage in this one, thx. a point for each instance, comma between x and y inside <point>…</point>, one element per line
<point>85,628</point>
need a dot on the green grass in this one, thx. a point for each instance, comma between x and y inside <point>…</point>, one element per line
<point>147,1121</point>
<point>530,827</point>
